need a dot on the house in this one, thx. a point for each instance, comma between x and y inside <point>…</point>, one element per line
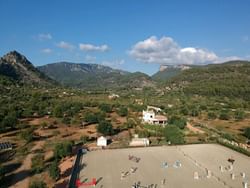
<point>102,141</point>
<point>139,141</point>
<point>150,116</point>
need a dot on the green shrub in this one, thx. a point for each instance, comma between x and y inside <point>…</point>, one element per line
<point>247,132</point>
<point>37,163</point>
<point>105,108</point>
<point>239,115</point>
<point>177,121</point>
<point>173,134</point>
<point>224,115</point>
<point>63,149</point>
<point>94,117</point>
<point>37,184</point>
<point>27,134</point>
<point>122,111</point>
<point>105,128</point>
<point>54,170</point>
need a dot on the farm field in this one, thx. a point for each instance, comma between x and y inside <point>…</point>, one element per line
<point>107,166</point>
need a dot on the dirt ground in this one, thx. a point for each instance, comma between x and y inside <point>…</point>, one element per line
<point>194,129</point>
<point>107,166</point>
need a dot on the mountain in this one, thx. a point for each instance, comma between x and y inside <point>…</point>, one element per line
<point>18,68</point>
<point>168,71</point>
<point>230,79</point>
<point>93,76</point>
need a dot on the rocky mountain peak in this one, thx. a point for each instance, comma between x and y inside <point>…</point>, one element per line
<point>15,57</point>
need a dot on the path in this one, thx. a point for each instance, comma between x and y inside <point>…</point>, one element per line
<point>194,129</point>
<point>21,177</point>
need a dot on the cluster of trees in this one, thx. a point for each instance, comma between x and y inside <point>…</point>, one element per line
<point>173,134</point>
<point>94,117</point>
<point>177,121</point>
<point>228,80</point>
<point>105,128</point>
<point>63,149</point>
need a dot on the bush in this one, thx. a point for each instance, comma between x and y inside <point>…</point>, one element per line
<point>211,115</point>
<point>105,108</point>
<point>247,132</point>
<point>63,149</point>
<point>177,121</point>
<point>122,111</point>
<point>105,128</point>
<point>228,136</point>
<point>37,163</point>
<point>239,115</point>
<point>27,135</point>
<point>173,134</point>
<point>54,171</point>
<point>94,117</point>
<point>143,134</point>
<point>224,115</point>
<point>37,184</point>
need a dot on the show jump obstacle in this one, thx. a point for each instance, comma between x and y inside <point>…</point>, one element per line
<point>82,184</point>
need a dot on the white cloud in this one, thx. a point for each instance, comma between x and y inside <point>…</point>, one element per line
<point>166,51</point>
<point>90,59</point>
<point>114,63</point>
<point>46,50</point>
<point>65,45</point>
<point>91,47</point>
<point>44,36</point>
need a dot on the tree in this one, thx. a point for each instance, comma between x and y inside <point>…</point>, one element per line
<point>106,108</point>
<point>247,132</point>
<point>173,134</point>
<point>58,111</point>
<point>177,121</point>
<point>54,171</point>
<point>63,149</point>
<point>239,115</point>
<point>94,117</point>
<point>37,184</point>
<point>37,163</point>
<point>122,111</point>
<point>10,121</point>
<point>224,115</point>
<point>105,127</point>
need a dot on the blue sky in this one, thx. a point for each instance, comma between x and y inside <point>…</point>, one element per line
<point>134,35</point>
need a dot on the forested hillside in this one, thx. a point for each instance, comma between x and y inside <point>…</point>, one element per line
<point>231,79</point>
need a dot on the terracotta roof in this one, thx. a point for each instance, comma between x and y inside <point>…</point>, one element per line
<point>161,118</point>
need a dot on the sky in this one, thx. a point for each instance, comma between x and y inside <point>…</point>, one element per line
<point>132,35</point>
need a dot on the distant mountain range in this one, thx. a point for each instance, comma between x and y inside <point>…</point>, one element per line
<point>230,79</point>
<point>94,76</point>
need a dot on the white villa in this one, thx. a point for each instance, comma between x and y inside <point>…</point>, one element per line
<point>150,116</point>
<point>102,141</point>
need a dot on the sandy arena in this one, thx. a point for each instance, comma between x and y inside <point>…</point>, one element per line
<point>113,169</point>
